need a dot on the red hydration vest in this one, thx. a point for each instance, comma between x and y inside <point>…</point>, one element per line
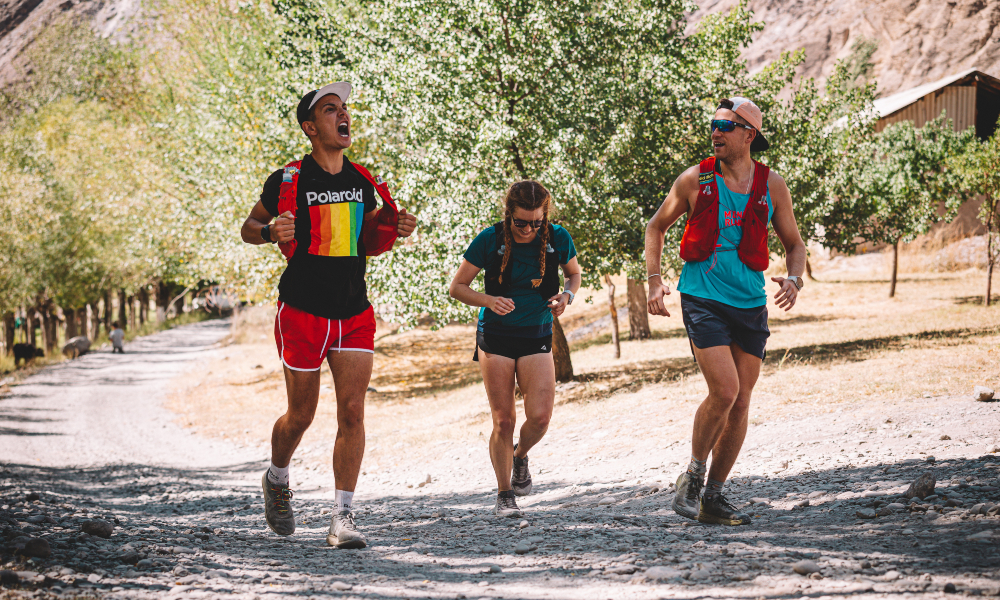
<point>379,234</point>
<point>701,234</point>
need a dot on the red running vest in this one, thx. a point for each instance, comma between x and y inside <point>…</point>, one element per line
<point>379,234</point>
<point>701,233</point>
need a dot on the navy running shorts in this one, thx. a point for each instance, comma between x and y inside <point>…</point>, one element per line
<point>710,323</point>
<point>511,347</point>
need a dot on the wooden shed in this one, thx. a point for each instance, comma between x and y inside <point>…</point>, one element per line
<point>970,99</point>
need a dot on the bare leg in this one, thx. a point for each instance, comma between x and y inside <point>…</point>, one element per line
<point>731,441</point>
<point>720,372</point>
<point>352,371</point>
<point>536,376</point>
<point>498,377</point>
<point>303,396</point>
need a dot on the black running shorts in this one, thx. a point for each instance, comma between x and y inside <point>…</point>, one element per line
<point>710,323</point>
<point>511,347</point>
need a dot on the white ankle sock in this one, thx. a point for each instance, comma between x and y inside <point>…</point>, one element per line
<point>343,499</point>
<point>277,475</point>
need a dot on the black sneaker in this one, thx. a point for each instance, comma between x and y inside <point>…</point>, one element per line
<point>506,506</point>
<point>687,500</point>
<point>520,479</point>
<point>278,507</point>
<point>716,509</point>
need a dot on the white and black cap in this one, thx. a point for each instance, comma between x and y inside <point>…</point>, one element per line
<point>341,89</point>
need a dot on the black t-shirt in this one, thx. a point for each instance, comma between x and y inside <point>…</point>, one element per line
<point>326,275</point>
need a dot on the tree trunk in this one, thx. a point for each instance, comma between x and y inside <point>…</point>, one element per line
<point>122,314</point>
<point>614,316</point>
<point>70,315</point>
<point>95,321</point>
<point>560,352</point>
<point>8,333</point>
<point>106,315</point>
<point>638,320</point>
<point>81,320</point>
<point>162,299</point>
<point>990,259</point>
<point>143,305</point>
<point>895,268</point>
<point>31,326</point>
<point>131,312</point>
<point>48,340</point>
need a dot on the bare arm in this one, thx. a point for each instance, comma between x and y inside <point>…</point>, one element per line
<point>283,230</point>
<point>677,204</point>
<point>787,231</point>
<point>460,290</point>
<point>574,276</point>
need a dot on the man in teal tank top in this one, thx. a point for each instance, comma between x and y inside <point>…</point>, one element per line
<point>723,303</point>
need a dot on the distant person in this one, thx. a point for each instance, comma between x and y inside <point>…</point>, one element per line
<point>522,255</point>
<point>729,200</point>
<point>325,223</point>
<point>117,337</point>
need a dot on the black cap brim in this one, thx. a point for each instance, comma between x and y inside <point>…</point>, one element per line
<point>759,143</point>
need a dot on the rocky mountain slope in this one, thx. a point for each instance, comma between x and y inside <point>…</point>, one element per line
<point>919,41</point>
<point>20,20</point>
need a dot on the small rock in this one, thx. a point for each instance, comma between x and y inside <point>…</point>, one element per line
<point>923,486</point>
<point>36,519</point>
<point>606,501</point>
<point>930,459</point>
<point>945,437</point>
<point>700,575</point>
<point>891,576</point>
<point>805,567</point>
<point>816,494</point>
<point>341,586</point>
<point>982,536</point>
<point>32,496</point>
<point>982,393</point>
<point>36,548</point>
<point>524,547</point>
<point>145,563</point>
<point>495,569</point>
<point>621,570</point>
<point>949,588</point>
<point>488,549</point>
<point>8,578</point>
<point>98,527</point>
<point>523,524</point>
<point>801,504</point>
<point>896,506</point>
<point>658,573</point>
<point>866,513</point>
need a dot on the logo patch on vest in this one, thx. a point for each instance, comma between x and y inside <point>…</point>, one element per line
<point>705,178</point>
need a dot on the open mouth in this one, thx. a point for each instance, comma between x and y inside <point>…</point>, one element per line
<point>344,129</point>
<point>717,145</point>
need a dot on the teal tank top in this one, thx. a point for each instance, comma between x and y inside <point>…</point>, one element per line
<point>723,277</point>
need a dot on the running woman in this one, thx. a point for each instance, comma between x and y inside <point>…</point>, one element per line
<point>729,200</point>
<point>522,255</point>
<point>326,223</point>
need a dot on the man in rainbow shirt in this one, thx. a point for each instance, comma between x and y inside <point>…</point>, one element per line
<point>325,222</point>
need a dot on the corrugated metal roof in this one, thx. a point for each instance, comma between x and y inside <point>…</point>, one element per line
<point>886,106</point>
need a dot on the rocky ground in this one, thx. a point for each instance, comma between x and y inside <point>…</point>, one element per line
<point>113,500</point>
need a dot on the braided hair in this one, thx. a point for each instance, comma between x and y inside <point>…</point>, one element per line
<point>526,195</point>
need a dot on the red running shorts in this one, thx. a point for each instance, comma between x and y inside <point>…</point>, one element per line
<point>304,340</point>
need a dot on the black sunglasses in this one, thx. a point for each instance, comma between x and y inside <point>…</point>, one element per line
<point>726,125</point>
<point>521,223</point>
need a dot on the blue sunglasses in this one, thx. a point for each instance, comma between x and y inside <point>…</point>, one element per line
<point>726,125</point>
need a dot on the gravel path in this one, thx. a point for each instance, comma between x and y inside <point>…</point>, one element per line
<point>88,450</point>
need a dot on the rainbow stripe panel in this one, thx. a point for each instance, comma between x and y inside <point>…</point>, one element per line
<point>336,228</point>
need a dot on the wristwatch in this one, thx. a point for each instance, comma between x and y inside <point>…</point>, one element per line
<point>265,233</point>
<point>571,296</point>
<point>796,280</point>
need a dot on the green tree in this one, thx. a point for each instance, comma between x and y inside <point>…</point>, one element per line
<point>980,168</point>
<point>897,185</point>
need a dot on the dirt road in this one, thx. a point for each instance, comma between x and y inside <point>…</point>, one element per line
<point>89,440</point>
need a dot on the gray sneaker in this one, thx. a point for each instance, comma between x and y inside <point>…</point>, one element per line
<point>520,479</point>
<point>278,507</point>
<point>344,532</point>
<point>687,500</point>
<point>506,506</point>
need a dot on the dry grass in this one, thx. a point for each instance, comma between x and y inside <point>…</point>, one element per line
<point>845,346</point>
